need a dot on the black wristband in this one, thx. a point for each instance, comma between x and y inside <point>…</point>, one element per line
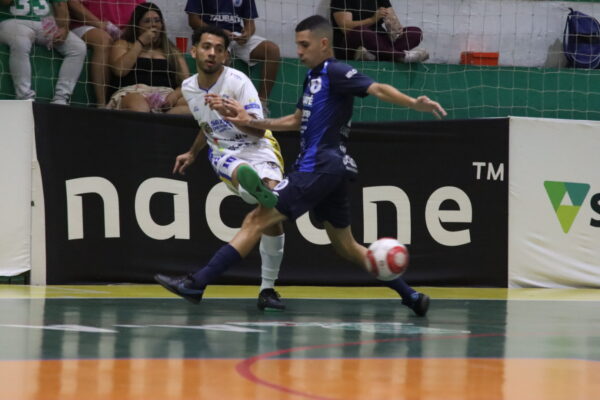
<point>138,40</point>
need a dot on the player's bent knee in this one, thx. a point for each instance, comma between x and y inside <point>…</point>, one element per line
<point>260,219</point>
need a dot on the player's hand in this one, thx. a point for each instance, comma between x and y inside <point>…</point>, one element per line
<point>217,103</point>
<point>182,162</point>
<point>237,114</point>
<point>425,104</point>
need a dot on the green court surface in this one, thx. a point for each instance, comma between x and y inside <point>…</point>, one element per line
<point>140,342</point>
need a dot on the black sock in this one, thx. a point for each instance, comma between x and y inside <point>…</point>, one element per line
<point>225,257</point>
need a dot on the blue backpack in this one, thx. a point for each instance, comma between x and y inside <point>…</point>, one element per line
<point>581,40</point>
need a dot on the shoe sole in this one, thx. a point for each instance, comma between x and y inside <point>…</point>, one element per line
<point>268,308</point>
<point>158,278</point>
<point>249,179</point>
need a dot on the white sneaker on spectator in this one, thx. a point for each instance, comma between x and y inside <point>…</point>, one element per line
<point>415,56</point>
<point>362,54</point>
<point>62,102</point>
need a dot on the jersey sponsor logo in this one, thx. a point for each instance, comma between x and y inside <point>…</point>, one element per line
<point>315,85</point>
<point>251,106</point>
<point>307,100</point>
<point>305,115</point>
<point>351,73</point>
<point>232,19</point>
<point>219,125</point>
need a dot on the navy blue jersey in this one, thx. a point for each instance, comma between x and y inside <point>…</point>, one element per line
<point>226,14</point>
<point>326,106</point>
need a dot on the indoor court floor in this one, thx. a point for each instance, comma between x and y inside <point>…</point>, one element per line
<point>126,342</point>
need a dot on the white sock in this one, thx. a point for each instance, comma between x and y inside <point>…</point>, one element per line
<point>271,254</point>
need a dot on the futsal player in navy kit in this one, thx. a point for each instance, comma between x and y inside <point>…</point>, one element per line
<point>318,182</point>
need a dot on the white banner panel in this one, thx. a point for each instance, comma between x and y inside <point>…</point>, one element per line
<point>15,186</point>
<point>554,203</point>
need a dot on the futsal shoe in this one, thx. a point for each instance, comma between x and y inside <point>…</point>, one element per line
<point>268,299</point>
<point>181,286</point>
<point>249,179</point>
<point>419,303</point>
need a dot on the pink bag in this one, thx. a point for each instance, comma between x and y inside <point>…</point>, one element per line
<point>49,31</point>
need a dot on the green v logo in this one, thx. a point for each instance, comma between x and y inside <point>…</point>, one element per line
<point>566,208</point>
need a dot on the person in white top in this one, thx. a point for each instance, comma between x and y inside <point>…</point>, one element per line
<point>237,154</point>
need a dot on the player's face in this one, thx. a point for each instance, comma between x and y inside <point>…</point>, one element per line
<point>210,53</point>
<point>311,49</point>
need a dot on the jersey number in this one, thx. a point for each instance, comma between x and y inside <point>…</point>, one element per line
<point>22,8</point>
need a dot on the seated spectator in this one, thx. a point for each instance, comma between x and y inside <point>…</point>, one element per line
<point>148,67</point>
<point>32,22</point>
<point>237,19</point>
<point>370,30</point>
<point>98,23</point>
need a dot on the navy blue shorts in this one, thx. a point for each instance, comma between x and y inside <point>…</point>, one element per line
<point>326,195</point>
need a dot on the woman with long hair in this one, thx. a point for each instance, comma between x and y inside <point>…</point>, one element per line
<point>98,23</point>
<point>147,65</point>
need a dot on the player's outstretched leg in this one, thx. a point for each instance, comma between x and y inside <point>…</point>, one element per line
<point>418,302</point>
<point>346,246</point>
<point>181,286</point>
<point>251,182</point>
<point>191,287</point>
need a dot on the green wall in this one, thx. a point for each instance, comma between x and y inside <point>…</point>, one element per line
<point>465,91</point>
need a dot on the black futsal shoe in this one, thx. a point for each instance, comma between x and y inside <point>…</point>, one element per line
<point>181,286</point>
<point>419,303</point>
<point>269,300</point>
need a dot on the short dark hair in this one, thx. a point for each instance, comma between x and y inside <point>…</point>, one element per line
<point>314,23</point>
<point>212,30</point>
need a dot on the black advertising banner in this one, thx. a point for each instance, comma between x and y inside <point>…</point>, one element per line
<point>116,213</point>
<point>447,182</point>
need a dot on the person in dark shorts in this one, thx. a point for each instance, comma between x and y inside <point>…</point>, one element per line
<point>321,172</point>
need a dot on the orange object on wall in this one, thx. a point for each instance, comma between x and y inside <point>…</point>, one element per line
<point>477,58</point>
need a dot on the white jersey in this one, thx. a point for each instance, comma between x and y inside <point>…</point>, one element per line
<point>222,136</point>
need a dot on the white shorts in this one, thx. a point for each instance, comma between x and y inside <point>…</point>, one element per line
<point>243,51</point>
<point>225,164</point>
<point>82,30</point>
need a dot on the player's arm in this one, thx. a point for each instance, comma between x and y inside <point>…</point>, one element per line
<point>240,117</point>
<point>288,123</point>
<point>219,104</point>
<point>250,130</point>
<point>390,94</point>
<point>183,161</point>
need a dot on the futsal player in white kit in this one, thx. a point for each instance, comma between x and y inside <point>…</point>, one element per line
<point>235,154</point>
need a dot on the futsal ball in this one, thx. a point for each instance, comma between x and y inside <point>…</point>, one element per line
<point>387,259</point>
